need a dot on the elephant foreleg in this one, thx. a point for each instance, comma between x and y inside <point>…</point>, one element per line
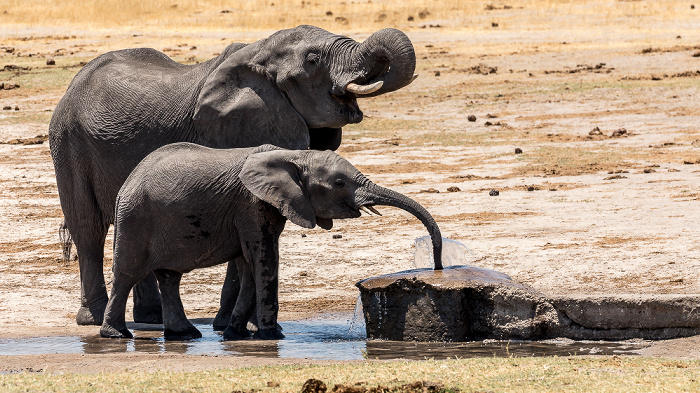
<point>148,307</point>
<point>245,303</point>
<point>229,295</point>
<point>175,323</point>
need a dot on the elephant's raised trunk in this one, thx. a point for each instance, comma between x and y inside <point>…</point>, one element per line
<point>372,194</point>
<point>386,56</point>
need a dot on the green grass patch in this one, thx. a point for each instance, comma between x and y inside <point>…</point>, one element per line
<point>552,374</point>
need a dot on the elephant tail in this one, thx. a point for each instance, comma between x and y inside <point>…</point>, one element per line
<point>66,241</point>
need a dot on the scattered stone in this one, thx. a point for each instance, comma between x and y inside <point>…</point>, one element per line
<point>615,177</point>
<point>618,133</point>
<point>488,123</point>
<point>342,20</point>
<point>471,118</point>
<point>303,274</point>
<point>691,162</point>
<point>490,116</point>
<point>337,236</point>
<point>423,14</point>
<point>314,386</point>
<point>339,388</point>
<point>692,6</point>
<point>225,11</point>
<point>649,170</point>
<point>531,188</point>
<point>437,73</point>
<point>518,150</point>
<point>482,69</point>
<point>7,108</point>
<point>271,384</point>
<point>696,54</point>
<point>493,193</point>
<point>381,18</point>
<point>453,189</point>
<point>595,131</point>
<point>50,62</point>
<point>303,235</point>
<point>430,191</point>
<point>410,18</point>
<point>329,13</point>
<point>494,24</point>
<point>8,86</point>
<point>16,108</point>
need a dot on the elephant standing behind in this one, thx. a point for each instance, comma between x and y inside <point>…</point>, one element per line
<point>295,89</point>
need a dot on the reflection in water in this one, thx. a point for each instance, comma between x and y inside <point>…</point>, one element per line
<point>325,339</point>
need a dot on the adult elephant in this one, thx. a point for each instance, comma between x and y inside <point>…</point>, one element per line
<point>295,89</point>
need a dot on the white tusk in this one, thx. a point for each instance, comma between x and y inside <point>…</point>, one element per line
<point>412,79</point>
<point>364,89</point>
<point>365,210</point>
<point>373,210</point>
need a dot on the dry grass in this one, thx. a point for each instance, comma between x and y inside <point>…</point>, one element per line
<point>333,15</point>
<point>552,374</point>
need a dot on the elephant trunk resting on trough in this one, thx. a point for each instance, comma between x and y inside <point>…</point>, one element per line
<point>186,206</point>
<point>295,89</point>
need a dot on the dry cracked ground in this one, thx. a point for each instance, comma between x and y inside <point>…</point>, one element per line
<point>591,138</point>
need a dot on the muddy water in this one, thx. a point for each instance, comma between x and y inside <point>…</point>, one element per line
<point>329,338</point>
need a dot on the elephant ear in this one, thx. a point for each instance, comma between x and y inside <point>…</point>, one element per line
<point>239,105</point>
<point>273,177</point>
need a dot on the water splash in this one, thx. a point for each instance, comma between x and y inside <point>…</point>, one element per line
<point>357,324</point>
<point>453,253</point>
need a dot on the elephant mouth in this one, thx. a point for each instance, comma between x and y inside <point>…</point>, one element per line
<point>350,110</point>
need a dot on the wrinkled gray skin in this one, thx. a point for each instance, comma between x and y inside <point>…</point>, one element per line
<point>289,90</point>
<point>187,206</point>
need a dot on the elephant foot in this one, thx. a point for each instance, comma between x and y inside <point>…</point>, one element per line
<point>108,331</point>
<point>232,333</point>
<point>189,334</point>
<point>148,314</point>
<point>268,334</point>
<point>221,321</point>
<point>91,315</point>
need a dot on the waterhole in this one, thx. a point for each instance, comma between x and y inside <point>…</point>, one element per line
<point>331,337</point>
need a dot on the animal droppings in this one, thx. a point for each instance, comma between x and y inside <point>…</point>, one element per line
<point>518,150</point>
<point>453,189</point>
<point>595,131</point>
<point>471,118</point>
<point>337,236</point>
<point>493,193</point>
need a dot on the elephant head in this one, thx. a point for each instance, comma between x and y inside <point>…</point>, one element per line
<point>300,86</point>
<point>314,187</point>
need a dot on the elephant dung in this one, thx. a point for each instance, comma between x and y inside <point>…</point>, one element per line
<point>459,303</point>
<point>464,303</point>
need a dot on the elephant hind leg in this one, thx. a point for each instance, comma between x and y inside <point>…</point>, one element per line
<point>175,323</point>
<point>114,325</point>
<point>87,226</point>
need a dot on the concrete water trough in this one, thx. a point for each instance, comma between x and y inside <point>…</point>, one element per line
<point>465,303</point>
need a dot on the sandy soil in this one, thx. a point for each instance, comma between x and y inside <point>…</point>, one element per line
<point>577,213</point>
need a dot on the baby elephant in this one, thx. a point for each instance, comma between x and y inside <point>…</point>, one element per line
<point>186,207</point>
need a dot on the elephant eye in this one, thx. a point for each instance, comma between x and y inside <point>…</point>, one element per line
<point>313,58</point>
<point>339,183</point>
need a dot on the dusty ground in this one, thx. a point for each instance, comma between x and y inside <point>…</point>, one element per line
<point>577,213</point>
